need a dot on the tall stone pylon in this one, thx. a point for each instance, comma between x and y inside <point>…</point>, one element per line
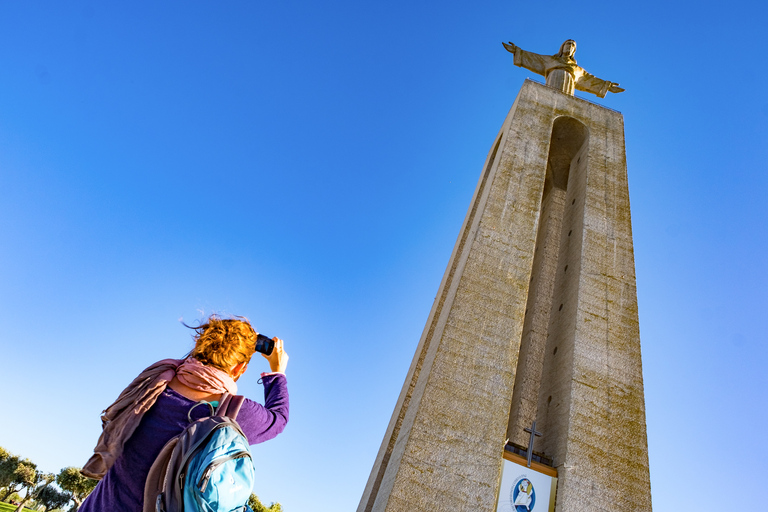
<point>535,320</point>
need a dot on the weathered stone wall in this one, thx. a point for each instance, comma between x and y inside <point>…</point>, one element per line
<point>471,382</point>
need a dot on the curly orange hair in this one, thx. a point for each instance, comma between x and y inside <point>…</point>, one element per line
<point>224,342</point>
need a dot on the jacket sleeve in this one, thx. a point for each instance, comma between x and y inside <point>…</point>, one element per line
<point>263,422</point>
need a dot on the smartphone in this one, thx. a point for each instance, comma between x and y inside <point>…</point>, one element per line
<point>264,345</point>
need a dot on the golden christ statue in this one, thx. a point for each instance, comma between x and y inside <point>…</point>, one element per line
<point>561,70</point>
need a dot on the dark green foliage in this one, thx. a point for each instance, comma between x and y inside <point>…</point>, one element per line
<point>52,498</point>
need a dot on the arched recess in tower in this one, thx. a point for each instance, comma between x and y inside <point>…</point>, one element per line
<point>546,321</point>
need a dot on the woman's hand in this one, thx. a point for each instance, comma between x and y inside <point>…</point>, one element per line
<point>278,359</point>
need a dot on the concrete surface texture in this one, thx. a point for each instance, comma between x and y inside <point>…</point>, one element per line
<point>535,319</point>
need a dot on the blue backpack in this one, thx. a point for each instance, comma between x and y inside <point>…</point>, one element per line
<point>206,468</point>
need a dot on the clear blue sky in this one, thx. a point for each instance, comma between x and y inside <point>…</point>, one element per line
<point>309,165</point>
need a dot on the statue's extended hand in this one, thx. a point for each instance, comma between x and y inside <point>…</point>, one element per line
<point>511,48</point>
<point>615,88</point>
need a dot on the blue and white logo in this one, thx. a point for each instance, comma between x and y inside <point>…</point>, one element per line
<point>523,495</point>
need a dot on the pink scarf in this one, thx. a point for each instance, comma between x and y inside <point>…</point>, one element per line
<point>120,419</point>
<point>196,375</point>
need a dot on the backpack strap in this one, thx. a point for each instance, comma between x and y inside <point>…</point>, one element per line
<point>230,405</point>
<point>157,478</point>
<point>202,402</point>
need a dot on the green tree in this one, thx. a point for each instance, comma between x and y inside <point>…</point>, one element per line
<point>255,503</point>
<point>42,482</point>
<point>32,482</point>
<point>52,498</point>
<point>257,506</point>
<point>8,465</point>
<point>77,485</point>
<point>17,474</point>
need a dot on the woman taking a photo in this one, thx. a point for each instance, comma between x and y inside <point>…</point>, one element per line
<point>154,408</point>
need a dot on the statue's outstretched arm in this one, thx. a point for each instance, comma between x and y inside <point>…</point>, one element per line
<point>590,83</point>
<point>529,60</point>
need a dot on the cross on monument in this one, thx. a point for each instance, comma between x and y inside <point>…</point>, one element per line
<point>533,433</point>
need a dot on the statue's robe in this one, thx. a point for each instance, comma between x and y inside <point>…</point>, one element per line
<point>562,73</point>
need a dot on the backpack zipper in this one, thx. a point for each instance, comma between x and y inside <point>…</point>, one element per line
<point>215,464</point>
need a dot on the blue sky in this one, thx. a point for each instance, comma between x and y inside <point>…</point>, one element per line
<point>309,165</point>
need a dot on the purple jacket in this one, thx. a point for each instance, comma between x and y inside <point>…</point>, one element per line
<point>122,488</point>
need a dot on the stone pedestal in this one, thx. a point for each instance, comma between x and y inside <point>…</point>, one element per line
<point>535,319</point>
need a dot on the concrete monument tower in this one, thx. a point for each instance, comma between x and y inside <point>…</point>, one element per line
<point>534,331</point>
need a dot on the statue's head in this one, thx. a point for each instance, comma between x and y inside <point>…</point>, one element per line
<point>567,49</point>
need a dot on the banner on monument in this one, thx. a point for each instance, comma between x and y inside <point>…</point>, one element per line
<point>525,489</point>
